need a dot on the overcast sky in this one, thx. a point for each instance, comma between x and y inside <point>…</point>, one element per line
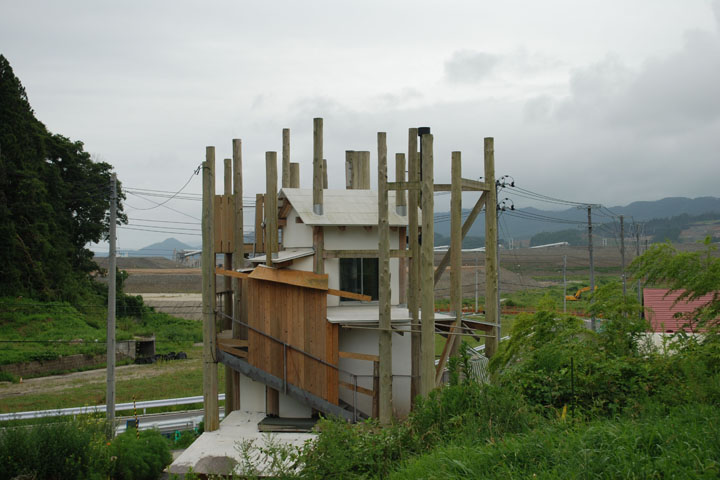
<point>594,101</point>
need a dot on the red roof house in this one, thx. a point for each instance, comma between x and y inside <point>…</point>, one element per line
<point>660,309</point>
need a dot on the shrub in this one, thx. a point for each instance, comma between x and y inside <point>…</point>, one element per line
<point>141,458</point>
<point>59,450</point>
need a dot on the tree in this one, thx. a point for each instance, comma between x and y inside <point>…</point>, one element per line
<point>693,274</point>
<point>53,201</point>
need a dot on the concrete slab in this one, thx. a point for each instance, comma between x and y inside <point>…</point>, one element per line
<point>236,447</point>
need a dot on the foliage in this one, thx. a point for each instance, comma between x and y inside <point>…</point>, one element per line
<point>59,450</point>
<point>683,444</point>
<point>141,458</point>
<point>53,202</point>
<point>693,274</point>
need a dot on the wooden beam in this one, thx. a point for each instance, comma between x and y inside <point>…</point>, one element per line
<point>285,158</point>
<point>385,334</point>
<point>233,351</point>
<point>364,254</point>
<point>351,295</point>
<point>210,368</point>
<point>233,342</point>
<point>319,246</point>
<point>491,237</point>
<point>294,175</point>
<point>271,227</point>
<point>399,185</point>
<point>259,230</point>
<point>469,185</point>
<point>465,229</point>
<point>230,273</point>
<point>298,278</point>
<point>359,356</point>
<point>413,298</point>
<point>226,321</point>
<point>351,387</point>
<point>318,166</point>
<point>456,260</point>
<point>427,323</point>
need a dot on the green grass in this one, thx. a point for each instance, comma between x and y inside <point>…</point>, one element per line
<point>32,330</point>
<point>682,444</point>
<point>179,378</point>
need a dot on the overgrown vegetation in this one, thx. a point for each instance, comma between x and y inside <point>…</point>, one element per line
<point>77,448</point>
<point>564,401</point>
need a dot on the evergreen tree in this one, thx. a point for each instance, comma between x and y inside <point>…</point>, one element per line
<point>53,201</point>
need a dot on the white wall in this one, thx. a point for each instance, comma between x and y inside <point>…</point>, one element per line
<point>296,235</point>
<point>366,341</point>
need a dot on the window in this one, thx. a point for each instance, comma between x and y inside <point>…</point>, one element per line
<point>359,275</point>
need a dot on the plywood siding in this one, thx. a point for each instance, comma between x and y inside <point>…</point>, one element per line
<point>296,316</point>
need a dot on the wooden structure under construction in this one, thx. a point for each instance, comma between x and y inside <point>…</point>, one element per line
<point>337,317</point>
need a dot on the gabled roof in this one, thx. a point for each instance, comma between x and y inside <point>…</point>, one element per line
<point>660,311</point>
<point>342,207</point>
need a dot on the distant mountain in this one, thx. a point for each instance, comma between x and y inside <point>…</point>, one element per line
<point>163,249</point>
<point>526,222</point>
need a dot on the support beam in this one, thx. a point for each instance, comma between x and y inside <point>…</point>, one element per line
<point>285,158</point>
<point>400,197</point>
<point>210,370</point>
<point>491,244</point>
<point>456,263</point>
<point>294,175</point>
<point>227,322</point>
<point>319,246</point>
<point>271,211</point>
<point>112,278</point>
<point>318,166</point>
<point>427,323</point>
<point>325,175</point>
<point>385,334</point>
<point>259,228</point>
<point>413,298</point>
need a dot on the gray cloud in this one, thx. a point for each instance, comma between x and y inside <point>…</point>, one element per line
<point>468,66</point>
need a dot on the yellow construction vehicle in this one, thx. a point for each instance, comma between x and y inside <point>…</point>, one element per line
<point>578,294</point>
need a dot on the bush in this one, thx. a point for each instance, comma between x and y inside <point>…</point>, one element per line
<point>63,449</point>
<point>141,458</point>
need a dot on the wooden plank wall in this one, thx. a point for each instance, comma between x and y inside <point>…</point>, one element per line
<point>297,316</point>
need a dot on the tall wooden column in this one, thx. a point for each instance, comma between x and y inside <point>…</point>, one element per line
<point>210,370</point>
<point>272,396</point>
<point>427,327</point>
<point>238,261</point>
<point>491,241</point>
<point>413,298</point>
<point>385,335</point>
<point>227,296</point>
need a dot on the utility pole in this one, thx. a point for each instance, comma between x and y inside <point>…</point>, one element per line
<point>622,252</point>
<point>112,267</point>
<point>564,284</point>
<point>637,252</point>
<point>592,266</point>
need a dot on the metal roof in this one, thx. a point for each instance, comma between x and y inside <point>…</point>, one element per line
<point>343,207</point>
<point>660,311</point>
<point>286,255</point>
<point>370,315</point>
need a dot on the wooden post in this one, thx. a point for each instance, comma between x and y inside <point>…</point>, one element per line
<point>455,261</point>
<point>427,327</point>
<point>363,162</point>
<point>294,175</point>
<point>259,230</point>
<point>349,169</point>
<point>376,390</point>
<point>227,322</point>
<point>413,298</point>
<point>318,166</point>
<point>325,175</point>
<point>319,246</point>
<point>285,158</point>
<point>401,209</point>
<point>238,261</point>
<point>210,371</point>
<point>271,220</point>
<point>272,396</point>
<point>385,335</point>
<point>491,238</point>
<point>400,197</point>
<point>112,303</point>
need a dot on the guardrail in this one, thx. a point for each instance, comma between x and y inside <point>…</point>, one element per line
<point>168,402</point>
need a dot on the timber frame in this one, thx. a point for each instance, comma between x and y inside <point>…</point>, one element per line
<point>289,345</point>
